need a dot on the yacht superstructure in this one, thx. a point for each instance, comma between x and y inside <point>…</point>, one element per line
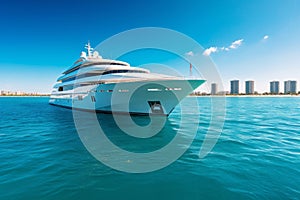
<point>96,84</point>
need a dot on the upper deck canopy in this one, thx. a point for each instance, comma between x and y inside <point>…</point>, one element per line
<point>87,63</point>
<point>92,58</point>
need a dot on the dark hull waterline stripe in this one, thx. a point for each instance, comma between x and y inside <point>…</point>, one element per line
<point>110,112</point>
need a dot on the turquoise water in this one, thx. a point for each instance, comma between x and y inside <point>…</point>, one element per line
<point>256,157</point>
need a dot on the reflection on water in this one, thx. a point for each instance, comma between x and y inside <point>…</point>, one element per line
<point>151,144</point>
<point>114,133</point>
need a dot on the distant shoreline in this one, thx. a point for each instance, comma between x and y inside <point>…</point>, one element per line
<point>24,96</point>
<point>288,95</point>
<point>229,96</point>
<point>245,96</point>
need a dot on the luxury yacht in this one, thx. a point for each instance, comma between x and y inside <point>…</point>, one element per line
<point>110,86</point>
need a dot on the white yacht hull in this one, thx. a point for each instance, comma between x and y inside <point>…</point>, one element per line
<point>144,97</point>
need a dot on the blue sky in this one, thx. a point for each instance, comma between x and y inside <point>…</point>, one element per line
<point>39,39</point>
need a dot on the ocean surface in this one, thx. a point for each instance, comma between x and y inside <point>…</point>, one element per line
<point>257,155</point>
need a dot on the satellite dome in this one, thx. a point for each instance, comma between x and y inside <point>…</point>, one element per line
<point>96,54</point>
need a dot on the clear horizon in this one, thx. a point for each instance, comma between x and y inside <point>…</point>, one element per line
<point>202,88</point>
<point>255,40</point>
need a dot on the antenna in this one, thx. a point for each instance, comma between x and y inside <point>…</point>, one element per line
<point>191,68</point>
<point>89,49</point>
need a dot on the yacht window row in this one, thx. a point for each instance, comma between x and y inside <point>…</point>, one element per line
<point>90,64</point>
<point>70,87</point>
<point>102,73</point>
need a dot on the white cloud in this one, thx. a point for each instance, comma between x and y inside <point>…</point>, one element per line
<point>210,50</point>
<point>190,53</point>
<point>223,49</point>
<point>236,44</point>
<point>266,37</point>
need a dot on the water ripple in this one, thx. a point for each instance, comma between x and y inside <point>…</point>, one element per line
<point>256,157</point>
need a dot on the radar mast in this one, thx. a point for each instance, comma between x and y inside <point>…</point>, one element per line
<point>89,49</point>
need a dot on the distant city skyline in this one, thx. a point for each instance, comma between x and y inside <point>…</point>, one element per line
<point>265,85</point>
<point>290,86</point>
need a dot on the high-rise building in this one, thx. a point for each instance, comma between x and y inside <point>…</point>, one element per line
<point>274,87</point>
<point>290,87</point>
<point>234,87</point>
<point>249,87</point>
<point>214,89</point>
